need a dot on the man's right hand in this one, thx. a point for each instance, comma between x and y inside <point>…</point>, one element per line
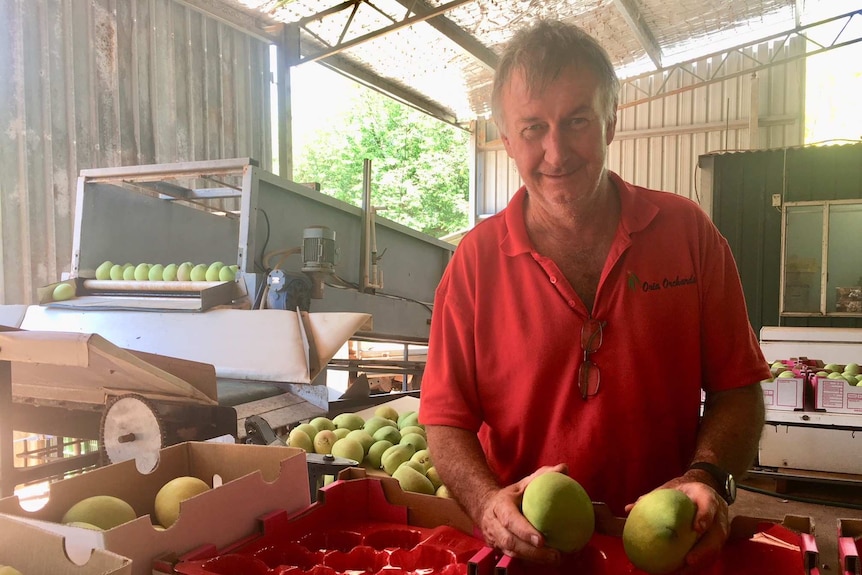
<point>494,510</point>
<point>504,527</point>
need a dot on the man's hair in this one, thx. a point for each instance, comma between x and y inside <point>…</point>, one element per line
<point>543,51</point>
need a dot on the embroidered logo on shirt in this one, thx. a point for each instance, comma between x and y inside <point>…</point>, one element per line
<point>634,283</point>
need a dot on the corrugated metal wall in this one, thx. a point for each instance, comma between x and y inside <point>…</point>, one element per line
<point>101,83</point>
<point>659,139</point>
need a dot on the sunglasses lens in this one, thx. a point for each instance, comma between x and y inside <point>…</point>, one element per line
<point>589,378</point>
<point>591,336</point>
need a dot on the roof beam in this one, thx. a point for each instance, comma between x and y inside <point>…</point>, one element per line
<point>455,33</point>
<point>342,46</point>
<point>371,80</point>
<point>258,26</point>
<point>847,36</point>
<point>633,17</point>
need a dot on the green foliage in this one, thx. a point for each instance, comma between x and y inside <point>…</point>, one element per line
<point>419,170</point>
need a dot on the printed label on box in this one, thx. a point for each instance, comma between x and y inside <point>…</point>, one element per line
<point>787,388</point>
<point>832,394</point>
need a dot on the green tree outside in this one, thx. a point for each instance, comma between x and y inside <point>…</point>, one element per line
<point>419,169</point>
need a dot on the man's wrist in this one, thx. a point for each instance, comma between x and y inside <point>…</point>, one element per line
<point>720,480</point>
<point>701,476</point>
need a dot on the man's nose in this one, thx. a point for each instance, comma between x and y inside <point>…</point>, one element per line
<point>557,147</point>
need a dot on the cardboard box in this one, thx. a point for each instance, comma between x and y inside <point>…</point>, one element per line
<point>836,395</point>
<point>34,551</point>
<point>850,546</point>
<point>358,524</point>
<point>785,394</point>
<point>254,479</point>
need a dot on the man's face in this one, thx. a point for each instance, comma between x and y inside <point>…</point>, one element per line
<point>559,137</point>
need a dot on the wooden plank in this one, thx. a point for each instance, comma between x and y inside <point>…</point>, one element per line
<point>212,91</point>
<point>229,105</point>
<point>164,86</point>
<point>86,368</point>
<point>197,64</point>
<point>127,83</point>
<point>279,411</point>
<point>143,78</point>
<point>199,375</point>
<point>105,80</point>
<point>181,72</point>
<point>267,404</point>
<point>11,154</point>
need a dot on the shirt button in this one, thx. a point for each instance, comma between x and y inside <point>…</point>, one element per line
<point>571,303</point>
<point>553,279</point>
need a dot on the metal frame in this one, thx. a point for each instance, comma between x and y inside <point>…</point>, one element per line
<point>133,211</point>
<point>824,258</point>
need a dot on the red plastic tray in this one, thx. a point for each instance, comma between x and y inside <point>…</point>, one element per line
<point>353,529</point>
<point>772,549</point>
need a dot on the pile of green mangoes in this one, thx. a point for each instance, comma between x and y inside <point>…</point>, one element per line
<point>186,271</point>
<point>389,441</point>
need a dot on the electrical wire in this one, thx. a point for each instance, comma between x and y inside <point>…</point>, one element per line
<point>260,264</point>
<point>344,284</point>
<point>814,501</point>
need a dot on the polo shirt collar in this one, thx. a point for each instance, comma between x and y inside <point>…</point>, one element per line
<point>636,212</point>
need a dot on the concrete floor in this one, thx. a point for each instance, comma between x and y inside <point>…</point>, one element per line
<point>784,500</point>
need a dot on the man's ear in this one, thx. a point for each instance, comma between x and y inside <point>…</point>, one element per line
<point>611,128</point>
<point>507,144</point>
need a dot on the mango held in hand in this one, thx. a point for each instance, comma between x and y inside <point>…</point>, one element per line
<point>658,533</point>
<point>558,507</point>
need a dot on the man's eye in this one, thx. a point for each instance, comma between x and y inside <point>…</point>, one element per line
<point>578,122</point>
<point>533,129</point>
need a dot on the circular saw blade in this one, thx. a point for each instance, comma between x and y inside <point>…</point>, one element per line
<point>132,429</point>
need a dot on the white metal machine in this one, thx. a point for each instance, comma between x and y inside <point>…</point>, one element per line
<point>308,279</point>
<point>812,440</point>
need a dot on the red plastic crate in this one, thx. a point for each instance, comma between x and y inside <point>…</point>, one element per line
<point>850,546</point>
<point>352,528</point>
<point>755,547</point>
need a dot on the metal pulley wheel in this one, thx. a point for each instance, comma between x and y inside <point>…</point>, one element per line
<point>132,429</point>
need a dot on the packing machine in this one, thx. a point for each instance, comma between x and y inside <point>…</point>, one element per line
<point>309,277</point>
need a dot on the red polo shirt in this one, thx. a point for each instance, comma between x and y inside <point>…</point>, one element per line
<point>505,349</point>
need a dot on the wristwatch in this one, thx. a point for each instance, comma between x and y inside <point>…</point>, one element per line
<point>726,482</point>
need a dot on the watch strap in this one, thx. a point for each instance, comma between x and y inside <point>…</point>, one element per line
<point>723,479</point>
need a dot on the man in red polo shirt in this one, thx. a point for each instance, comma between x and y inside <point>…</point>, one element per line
<point>578,326</point>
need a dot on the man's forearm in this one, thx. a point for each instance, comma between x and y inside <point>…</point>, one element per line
<point>730,428</point>
<point>460,461</point>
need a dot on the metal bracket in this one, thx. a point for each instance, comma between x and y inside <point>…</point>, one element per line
<point>259,432</point>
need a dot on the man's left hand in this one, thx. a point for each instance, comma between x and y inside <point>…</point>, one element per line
<point>710,520</point>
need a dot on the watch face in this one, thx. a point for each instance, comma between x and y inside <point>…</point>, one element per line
<point>730,488</point>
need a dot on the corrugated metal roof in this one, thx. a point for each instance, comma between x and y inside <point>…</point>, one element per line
<point>444,63</point>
